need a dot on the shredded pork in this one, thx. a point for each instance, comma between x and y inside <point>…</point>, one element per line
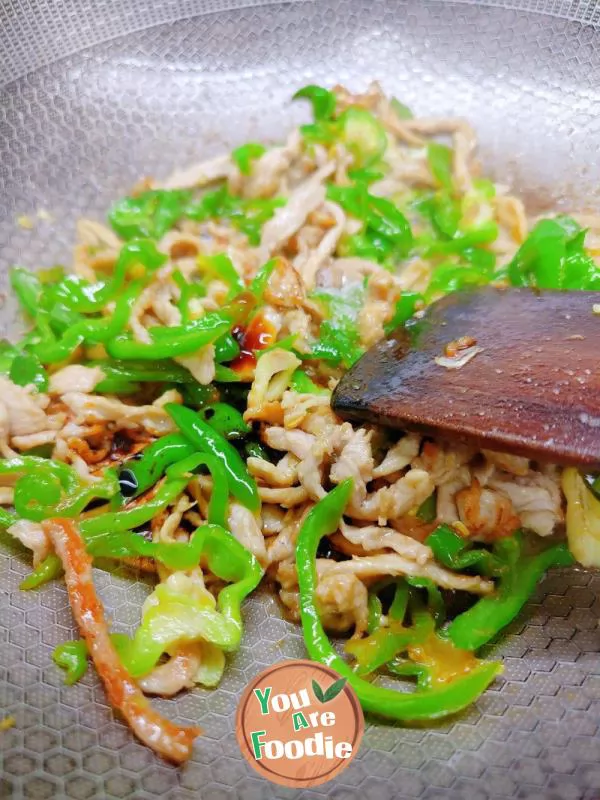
<point>170,740</point>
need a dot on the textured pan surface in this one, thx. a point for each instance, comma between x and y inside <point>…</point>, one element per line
<point>76,133</point>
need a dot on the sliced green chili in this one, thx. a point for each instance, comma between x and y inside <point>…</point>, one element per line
<point>51,567</point>
<point>301,383</point>
<point>207,440</point>
<point>128,518</point>
<point>479,624</point>
<point>150,213</point>
<point>26,369</point>
<point>434,703</point>
<point>226,420</point>
<point>246,154</point>
<point>73,658</point>
<point>219,497</point>
<point>139,475</point>
<point>322,100</point>
<point>26,285</point>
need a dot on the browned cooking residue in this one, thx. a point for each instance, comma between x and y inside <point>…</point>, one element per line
<point>454,347</point>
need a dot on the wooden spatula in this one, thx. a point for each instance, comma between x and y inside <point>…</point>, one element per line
<point>510,370</point>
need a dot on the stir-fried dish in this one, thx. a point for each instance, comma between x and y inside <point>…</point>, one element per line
<point>169,411</point>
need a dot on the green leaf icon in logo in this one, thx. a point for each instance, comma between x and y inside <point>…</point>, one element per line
<point>335,688</point>
<point>331,692</point>
<point>318,691</point>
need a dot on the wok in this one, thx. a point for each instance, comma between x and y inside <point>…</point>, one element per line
<point>94,96</point>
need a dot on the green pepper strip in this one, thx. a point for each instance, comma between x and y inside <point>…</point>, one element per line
<point>103,489</point>
<point>400,602</point>
<point>374,611</point>
<point>226,420</point>
<point>486,233</point>
<point>51,567</point>
<point>230,561</point>
<point>137,252</point>
<point>182,339</point>
<point>554,257</point>
<point>7,518</point>
<point>176,341</point>
<point>488,616</point>
<point>226,348</point>
<point>323,520</point>
<point>36,497</point>
<point>301,383</point>
<point>219,498</point>
<point>8,353</point>
<point>221,267</point>
<point>385,226</point>
<point>26,286</point>
<point>225,375</point>
<point>380,647</point>
<point>34,465</point>
<point>197,395</point>
<point>261,279</point>
<point>118,373</point>
<point>287,343</point>
<point>384,644</point>
<point>405,308</point>
<point>427,511</point>
<point>39,491</point>
<point>439,158</point>
<point>95,330</point>
<point>151,213</point>
<point>256,450</point>
<point>322,100</point>
<point>225,557</point>
<point>246,154</point>
<point>27,368</point>
<point>139,475</point>
<point>435,601</point>
<point>72,657</point>
<point>116,521</point>
<point>207,440</point>
<point>404,668</point>
<point>187,291</point>
<point>155,459</point>
<point>397,608</point>
<point>128,544</point>
<point>458,553</point>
